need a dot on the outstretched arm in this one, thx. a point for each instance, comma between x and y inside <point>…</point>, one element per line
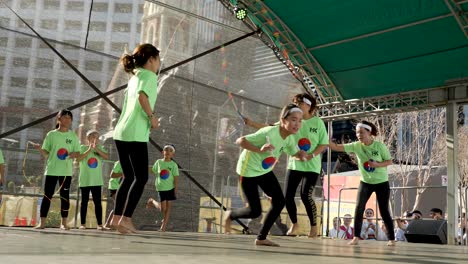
<point>336,147</point>
<point>253,124</point>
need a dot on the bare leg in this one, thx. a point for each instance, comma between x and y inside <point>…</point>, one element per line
<point>353,242</point>
<point>164,206</point>
<point>227,223</point>
<point>41,225</point>
<point>293,230</point>
<point>63,224</point>
<point>313,232</point>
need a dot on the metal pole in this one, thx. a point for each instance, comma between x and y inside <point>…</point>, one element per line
<point>328,176</point>
<point>452,172</point>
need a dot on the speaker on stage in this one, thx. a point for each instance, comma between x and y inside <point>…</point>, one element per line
<point>427,231</point>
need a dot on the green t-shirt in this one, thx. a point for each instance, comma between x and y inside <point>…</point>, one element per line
<point>2,160</point>
<point>165,172</point>
<point>114,183</point>
<point>91,168</point>
<point>311,134</point>
<point>252,164</point>
<point>134,124</point>
<point>60,145</point>
<point>376,151</point>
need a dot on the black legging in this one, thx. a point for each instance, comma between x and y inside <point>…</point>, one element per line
<point>308,179</point>
<point>49,189</point>
<point>96,192</point>
<point>270,187</point>
<point>133,158</point>
<point>382,191</point>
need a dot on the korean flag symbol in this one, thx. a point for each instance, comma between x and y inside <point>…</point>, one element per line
<point>367,167</point>
<point>304,144</point>
<point>92,163</point>
<point>62,154</point>
<point>164,174</point>
<point>268,162</point>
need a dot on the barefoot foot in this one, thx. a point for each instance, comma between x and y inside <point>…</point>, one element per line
<point>227,223</point>
<point>266,242</point>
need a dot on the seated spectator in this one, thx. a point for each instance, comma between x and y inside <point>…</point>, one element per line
<point>402,223</point>
<point>382,232</point>
<point>335,232</point>
<point>436,214</point>
<point>368,225</point>
<point>346,227</point>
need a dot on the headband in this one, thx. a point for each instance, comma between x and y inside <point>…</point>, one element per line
<point>363,126</point>
<point>307,101</point>
<point>169,146</point>
<point>292,110</point>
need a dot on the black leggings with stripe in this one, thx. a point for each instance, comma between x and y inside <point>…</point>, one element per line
<point>307,180</point>
<point>271,187</point>
<point>133,158</point>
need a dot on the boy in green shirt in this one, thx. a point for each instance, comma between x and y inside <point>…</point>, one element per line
<point>90,159</point>
<point>167,178</point>
<point>373,158</point>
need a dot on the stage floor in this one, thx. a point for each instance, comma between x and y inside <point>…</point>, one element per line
<point>25,245</point>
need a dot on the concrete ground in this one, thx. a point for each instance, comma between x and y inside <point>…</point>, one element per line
<point>25,245</point>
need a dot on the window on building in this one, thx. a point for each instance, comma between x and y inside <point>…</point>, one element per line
<point>23,42</point>
<point>2,61</point>
<point>96,45</point>
<point>20,23</point>
<point>42,83</point>
<point>15,101</point>
<point>4,21</point>
<point>20,62</point>
<point>75,6</point>
<point>121,27</point>
<point>73,25</point>
<point>28,4</point>
<point>100,7</point>
<point>97,26</point>
<point>93,65</point>
<point>49,24</point>
<point>67,84</point>
<point>44,63</point>
<point>118,46</point>
<point>51,4</point>
<point>3,42</point>
<point>123,8</point>
<point>18,82</point>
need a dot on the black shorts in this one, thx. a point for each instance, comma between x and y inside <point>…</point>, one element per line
<point>112,193</point>
<point>167,195</point>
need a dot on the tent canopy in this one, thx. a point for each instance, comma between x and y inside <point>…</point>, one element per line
<point>369,48</point>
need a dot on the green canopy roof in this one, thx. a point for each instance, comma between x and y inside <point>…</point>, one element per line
<point>370,48</point>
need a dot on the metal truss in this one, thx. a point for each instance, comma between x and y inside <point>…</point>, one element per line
<point>459,14</point>
<point>290,50</point>
<point>395,103</point>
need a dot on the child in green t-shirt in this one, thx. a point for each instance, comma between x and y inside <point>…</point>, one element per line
<point>60,146</point>
<point>167,178</point>
<point>90,160</point>
<point>255,167</point>
<point>373,158</point>
<point>116,177</point>
<point>313,139</point>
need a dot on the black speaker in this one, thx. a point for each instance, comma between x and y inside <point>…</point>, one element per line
<point>427,231</point>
